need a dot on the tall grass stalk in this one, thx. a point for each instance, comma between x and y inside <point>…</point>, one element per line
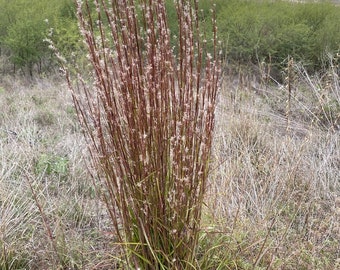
<point>149,119</point>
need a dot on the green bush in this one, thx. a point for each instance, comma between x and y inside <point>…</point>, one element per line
<point>271,31</point>
<point>250,31</point>
<point>25,24</point>
<point>25,40</point>
<point>65,34</point>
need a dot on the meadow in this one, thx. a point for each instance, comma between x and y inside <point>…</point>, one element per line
<point>273,193</point>
<point>271,198</point>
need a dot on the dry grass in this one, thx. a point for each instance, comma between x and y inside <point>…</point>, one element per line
<point>275,191</point>
<point>41,145</point>
<point>273,197</point>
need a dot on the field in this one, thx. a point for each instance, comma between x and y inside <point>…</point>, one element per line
<point>273,194</point>
<point>141,189</point>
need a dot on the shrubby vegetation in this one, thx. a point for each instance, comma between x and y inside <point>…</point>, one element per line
<point>250,31</point>
<point>24,25</point>
<point>270,31</point>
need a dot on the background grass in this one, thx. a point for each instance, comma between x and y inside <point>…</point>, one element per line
<point>273,196</point>
<point>41,145</point>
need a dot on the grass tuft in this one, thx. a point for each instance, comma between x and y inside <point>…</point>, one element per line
<point>148,119</point>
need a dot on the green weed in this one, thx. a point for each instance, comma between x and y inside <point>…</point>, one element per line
<point>51,164</point>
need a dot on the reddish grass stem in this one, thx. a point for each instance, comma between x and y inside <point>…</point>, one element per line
<point>149,119</point>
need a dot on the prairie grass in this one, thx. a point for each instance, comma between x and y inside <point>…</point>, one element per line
<point>57,223</point>
<point>274,196</point>
<point>272,199</point>
<point>148,118</point>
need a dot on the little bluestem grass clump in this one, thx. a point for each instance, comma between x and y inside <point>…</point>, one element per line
<point>149,119</point>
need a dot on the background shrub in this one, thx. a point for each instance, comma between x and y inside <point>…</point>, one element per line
<point>250,31</point>
<point>25,24</point>
<point>270,31</point>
